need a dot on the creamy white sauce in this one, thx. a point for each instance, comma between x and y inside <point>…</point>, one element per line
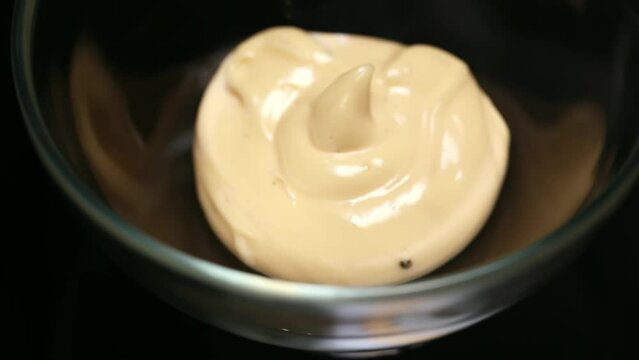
<point>345,159</point>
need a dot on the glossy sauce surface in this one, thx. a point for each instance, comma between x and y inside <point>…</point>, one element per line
<point>345,159</point>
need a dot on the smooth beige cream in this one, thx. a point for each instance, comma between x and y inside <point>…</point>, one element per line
<point>345,159</point>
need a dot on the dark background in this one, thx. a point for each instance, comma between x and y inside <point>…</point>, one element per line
<point>66,300</point>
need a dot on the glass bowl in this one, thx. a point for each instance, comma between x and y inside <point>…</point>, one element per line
<point>109,92</point>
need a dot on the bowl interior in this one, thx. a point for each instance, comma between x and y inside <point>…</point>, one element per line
<point>119,83</point>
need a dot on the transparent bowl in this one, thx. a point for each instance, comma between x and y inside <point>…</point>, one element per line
<point>109,92</point>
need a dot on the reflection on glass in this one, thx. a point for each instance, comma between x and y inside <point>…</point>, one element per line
<point>146,179</point>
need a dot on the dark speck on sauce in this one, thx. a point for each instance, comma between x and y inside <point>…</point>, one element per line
<point>406,264</point>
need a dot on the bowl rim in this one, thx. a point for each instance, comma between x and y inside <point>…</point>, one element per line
<point>257,285</point>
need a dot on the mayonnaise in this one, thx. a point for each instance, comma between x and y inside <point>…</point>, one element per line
<point>345,159</point>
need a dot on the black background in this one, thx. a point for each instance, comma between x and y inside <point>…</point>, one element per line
<point>66,300</point>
